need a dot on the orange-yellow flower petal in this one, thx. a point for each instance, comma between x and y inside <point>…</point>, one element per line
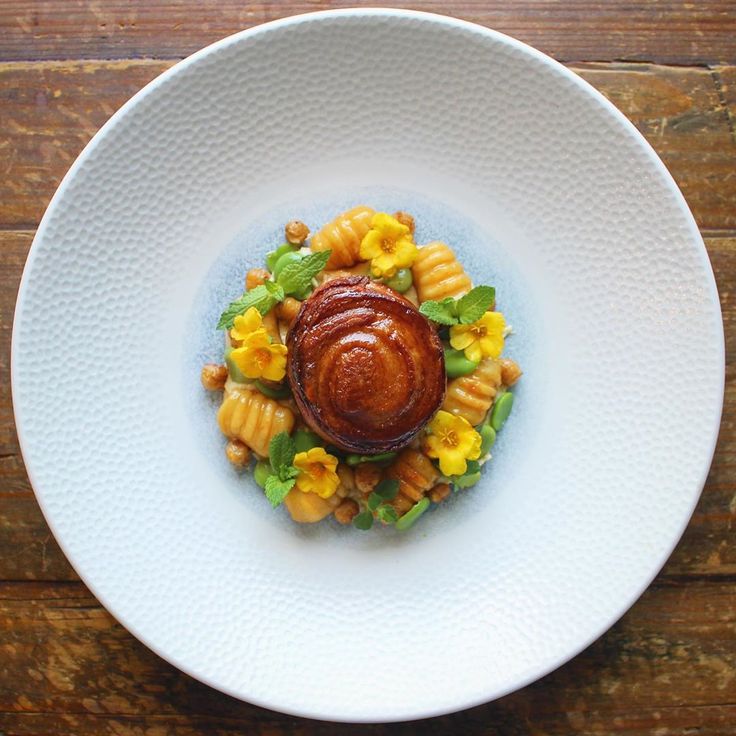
<point>481,339</point>
<point>245,324</point>
<point>388,245</point>
<point>453,441</point>
<point>258,358</point>
<point>316,472</point>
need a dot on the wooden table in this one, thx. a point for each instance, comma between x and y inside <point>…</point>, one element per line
<point>668,667</point>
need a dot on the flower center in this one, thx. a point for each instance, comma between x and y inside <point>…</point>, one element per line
<point>479,330</point>
<point>450,438</point>
<point>388,245</point>
<point>317,471</point>
<point>262,357</point>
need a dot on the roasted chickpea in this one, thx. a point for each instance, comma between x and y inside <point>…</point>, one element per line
<point>346,511</point>
<point>255,277</point>
<point>237,453</point>
<point>367,476</point>
<point>439,493</point>
<point>213,376</point>
<point>405,219</point>
<point>296,232</point>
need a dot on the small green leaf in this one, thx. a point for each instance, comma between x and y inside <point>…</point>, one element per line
<point>298,276</point>
<point>374,501</point>
<point>281,451</point>
<point>387,514</point>
<point>277,490</point>
<point>260,298</point>
<point>473,467</point>
<point>387,489</point>
<point>291,472</point>
<point>475,304</point>
<point>444,312</point>
<point>363,521</point>
<point>275,290</point>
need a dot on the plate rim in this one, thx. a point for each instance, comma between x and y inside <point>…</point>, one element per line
<point>388,13</point>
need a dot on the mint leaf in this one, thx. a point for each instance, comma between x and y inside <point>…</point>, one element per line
<point>444,312</point>
<point>296,277</point>
<point>277,490</point>
<point>281,451</point>
<point>260,298</point>
<point>374,501</point>
<point>387,489</point>
<point>363,521</point>
<point>387,514</point>
<point>275,290</point>
<point>473,467</point>
<point>475,304</point>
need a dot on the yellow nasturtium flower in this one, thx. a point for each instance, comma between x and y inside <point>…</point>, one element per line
<point>388,245</point>
<point>316,472</point>
<point>257,357</point>
<point>453,441</point>
<point>481,339</point>
<point>246,324</point>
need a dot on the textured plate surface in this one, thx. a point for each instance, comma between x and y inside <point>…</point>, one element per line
<point>543,187</point>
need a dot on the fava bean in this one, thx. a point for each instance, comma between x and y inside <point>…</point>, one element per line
<point>273,392</point>
<point>468,480</point>
<point>487,438</point>
<point>412,514</point>
<point>380,458</point>
<point>305,440</point>
<point>291,257</point>
<point>456,364</point>
<point>501,410</point>
<point>261,472</point>
<point>401,281</point>
<point>274,255</point>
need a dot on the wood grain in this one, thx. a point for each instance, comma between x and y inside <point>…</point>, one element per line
<point>51,110</point>
<point>668,668</point>
<point>68,665</point>
<point>673,32</point>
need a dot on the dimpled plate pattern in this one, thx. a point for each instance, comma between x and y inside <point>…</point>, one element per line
<point>516,576</point>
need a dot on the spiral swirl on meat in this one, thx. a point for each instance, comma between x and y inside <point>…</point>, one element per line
<point>365,367</point>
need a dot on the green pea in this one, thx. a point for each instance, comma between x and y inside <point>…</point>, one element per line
<point>501,410</point>
<point>468,480</point>
<point>305,440</point>
<point>487,438</point>
<point>261,472</point>
<point>456,364</point>
<point>273,392</point>
<point>274,255</point>
<point>401,281</point>
<point>233,369</point>
<point>291,257</point>
<point>412,514</point>
<point>380,458</point>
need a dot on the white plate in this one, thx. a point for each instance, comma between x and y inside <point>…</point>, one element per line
<point>543,188</point>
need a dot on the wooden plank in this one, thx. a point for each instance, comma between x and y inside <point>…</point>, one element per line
<point>68,667</point>
<point>665,31</point>
<point>50,112</point>
<point>681,113</point>
<point>725,79</point>
<point>28,550</point>
<point>52,109</point>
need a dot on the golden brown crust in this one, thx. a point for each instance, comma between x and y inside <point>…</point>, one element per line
<point>365,367</point>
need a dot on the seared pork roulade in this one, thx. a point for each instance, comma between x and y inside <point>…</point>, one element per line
<point>365,367</point>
